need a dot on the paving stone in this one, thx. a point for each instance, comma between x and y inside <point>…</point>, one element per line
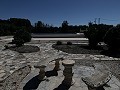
<point>112,87</point>
<point>116,59</point>
<point>12,67</point>
<point>75,75</point>
<point>84,88</point>
<point>1,63</point>
<point>2,71</point>
<point>95,58</point>
<point>1,79</point>
<point>99,56</point>
<point>76,88</point>
<point>46,54</point>
<point>77,82</point>
<point>11,71</point>
<point>116,81</point>
<point>2,75</point>
<point>104,58</point>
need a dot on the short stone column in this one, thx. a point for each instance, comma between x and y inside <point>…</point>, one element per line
<point>42,71</point>
<point>57,65</point>
<point>68,64</point>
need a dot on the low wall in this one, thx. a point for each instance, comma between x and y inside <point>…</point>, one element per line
<point>80,35</point>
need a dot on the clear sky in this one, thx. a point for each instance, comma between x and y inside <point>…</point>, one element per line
<point>76,12</point>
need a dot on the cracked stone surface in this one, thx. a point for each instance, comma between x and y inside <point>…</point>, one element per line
<point>11,61</point>
<point>79,71</point>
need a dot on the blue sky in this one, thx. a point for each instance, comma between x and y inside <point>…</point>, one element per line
<point>76,12</point>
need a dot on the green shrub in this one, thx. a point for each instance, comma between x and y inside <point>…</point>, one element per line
<point>69,43</point>
<point>92,35</point>
<point>21,37</point>
<point>112,38</point>
<point>96,33</point>
<point>58,43</point>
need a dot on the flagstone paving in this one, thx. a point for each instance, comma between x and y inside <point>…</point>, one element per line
<point>11,61</point>
<point>55,81</point>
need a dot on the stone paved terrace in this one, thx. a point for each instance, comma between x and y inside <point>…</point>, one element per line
<point>11,61</point>
<point>55,81</point>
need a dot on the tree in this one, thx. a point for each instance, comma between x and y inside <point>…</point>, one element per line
<point>64,27</point>
<point>96,33</point>
<point>39,26</point>
<point>21,23</point>
<point>21,36</point>
<point>112,38</point>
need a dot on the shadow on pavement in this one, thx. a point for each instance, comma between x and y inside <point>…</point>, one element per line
<point>62,87</point>
<point>51,73</point>
<point>34,82</point>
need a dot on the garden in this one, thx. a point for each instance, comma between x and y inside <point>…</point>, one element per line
<point>102,48</point>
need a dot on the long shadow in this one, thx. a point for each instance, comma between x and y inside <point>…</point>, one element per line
<point>100,88</point>
<point>51,73</point>
<point>62,87</point>
<point>34,82</point>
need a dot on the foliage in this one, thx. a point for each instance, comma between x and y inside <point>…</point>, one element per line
<point>21,36</point>
<point>112,38</point>
<point>40,27</point>
<point>58,43</point>
<point>9,27</point>
<point>96,33</point>
<point>65,27</point>
<point>69,43</point>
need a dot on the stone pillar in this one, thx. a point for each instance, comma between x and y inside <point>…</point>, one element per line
<point>57,65</point>
<point>42,71</point>
<point>68,64</point>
